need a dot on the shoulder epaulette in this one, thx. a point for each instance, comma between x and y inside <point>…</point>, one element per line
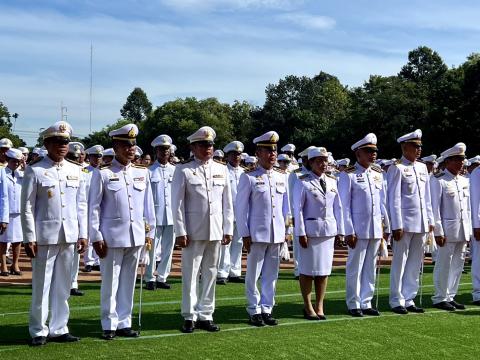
<point>247,170</point>
<point>139,166</point>
<point>331,176</point>
<point>440,174</point>
<point>102,167</point>
<point>219,162</point>
<point>279,170</point>
<point>186,161</point>
<point>39,158</point>
<point>304,176</point>
<point>73,162</point>
<point>376,168</point>
<point>398,161</point>
<point>244,167</point>
<point>297,170</point>
<point>350,169</point>
<point>85,170</point>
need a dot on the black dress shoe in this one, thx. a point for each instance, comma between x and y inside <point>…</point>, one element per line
<point>127,332</point>
<point>256,320</point>
<point>322,317</point>
<point>96,267</point>
<point>76,292</point>
<point>163,285</point>
<point>38,341</point>
<point>457,305</point>
<point>476,302</point>
<point>443,305</point>
<point>268,319</point>
<point>222,281</point>
<point>188,326</point>
<point>150,285</point>
<point>207,325</point>
<point>88,268</point>
<point>108,334</point>
<point>310,317</point>
<point>371,312</point>
<point>4,273</point>
<point>65,338</point>
<point>355,312</point>
<point>14,272</point>
<point>400,310</point>
<point>415,309</point>
<point>236,279</point>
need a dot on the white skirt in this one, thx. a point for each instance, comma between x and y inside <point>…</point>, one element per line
<point>14,230</point>
<point>317,258</point>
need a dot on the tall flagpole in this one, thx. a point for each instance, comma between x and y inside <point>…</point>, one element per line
<point>91,84</point>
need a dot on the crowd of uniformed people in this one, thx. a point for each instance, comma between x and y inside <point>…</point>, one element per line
<point>118,208</point>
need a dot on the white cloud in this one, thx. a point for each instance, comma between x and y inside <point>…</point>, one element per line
<point>308,21</point>
<point>209,5</point>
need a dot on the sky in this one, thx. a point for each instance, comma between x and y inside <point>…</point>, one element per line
<point>229,49</point>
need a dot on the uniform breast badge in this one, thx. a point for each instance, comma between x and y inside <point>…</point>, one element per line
<point>50,194</point>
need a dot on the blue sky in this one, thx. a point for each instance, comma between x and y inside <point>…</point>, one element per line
<point>230,49</point>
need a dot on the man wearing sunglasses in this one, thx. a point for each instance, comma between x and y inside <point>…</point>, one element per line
<point>54,222</point>
<point>411,218</point>
<point>363,196</point>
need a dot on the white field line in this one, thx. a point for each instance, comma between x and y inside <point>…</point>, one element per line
<point>172,302</point>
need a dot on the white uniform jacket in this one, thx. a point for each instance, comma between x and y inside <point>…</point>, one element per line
<point>475,197</point>
<point>318,213</point>
<point>262,205</point>
<point>4,211</point>
<point>451,206</point>
<point>409,203</point>
<point>202,201</point>
<point>53,196</point>
<point>364,202</point>
<point>120,204</point>
<point>161,177</point>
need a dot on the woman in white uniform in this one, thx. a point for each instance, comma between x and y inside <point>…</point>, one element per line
<point>318,220</point>
<point>13,234</point>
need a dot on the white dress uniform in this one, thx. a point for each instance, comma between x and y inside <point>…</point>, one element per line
<point>230,262</point>
<point>475,244</point>
<point>90,257</point>
<point>318,215</point>
<point>365,214</point>
<point>451,211</point>
<point>4,211</point>
<point>410,209</point>
<point>14,180</point>
<point>54,215</point>
<point>121,213</point>
<point>261,209</point>
<point>202,211</point>
<point>161,177</point>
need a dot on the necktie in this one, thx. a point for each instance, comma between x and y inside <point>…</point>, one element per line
<point>323,185</point>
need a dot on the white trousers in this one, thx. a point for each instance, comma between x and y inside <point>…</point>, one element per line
<point>50,289</point>
<point>360,273</point>
<point>119,273</point>
<point>448,271</point>
<point>75,267</point>
<point>230,261</point>
<point>198,296</point>
<point>263,259</point>
<point>90,257</point>
<point>162,248</point>
<point>475,255</point>
<point>407,259</point>
<point>296,247</point>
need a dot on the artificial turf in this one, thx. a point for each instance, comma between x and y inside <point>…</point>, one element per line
<point>433,335</point>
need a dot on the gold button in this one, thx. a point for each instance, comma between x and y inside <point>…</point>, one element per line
<point>62,193</point>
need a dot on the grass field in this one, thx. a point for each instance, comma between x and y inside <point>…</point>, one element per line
<point>433,335</point>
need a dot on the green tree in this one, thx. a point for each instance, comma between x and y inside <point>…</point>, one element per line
<point>5,116</point>
<point>424,66</point>
<point>137,107</point>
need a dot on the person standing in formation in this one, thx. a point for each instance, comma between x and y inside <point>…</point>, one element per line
<point>451,210</point>
<point>161,177</point>
<point>411,218</point>
<point>261,209</point>
<point>366,223</point>
<point>122,221</point>
<point>54,222</point>
<point>203,221</point>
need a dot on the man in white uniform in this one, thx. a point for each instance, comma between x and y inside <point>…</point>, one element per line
<point>230,265</point>
<point>122,221</point>
<point>451,210</point>
<point>94,154</point>
<point>261,209</point>
<point>54,222</point>
<point>203,220</point>
<point>475,244</point>
<point>161,177</point>
<point>411,220</point>
<point>363,197</point>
